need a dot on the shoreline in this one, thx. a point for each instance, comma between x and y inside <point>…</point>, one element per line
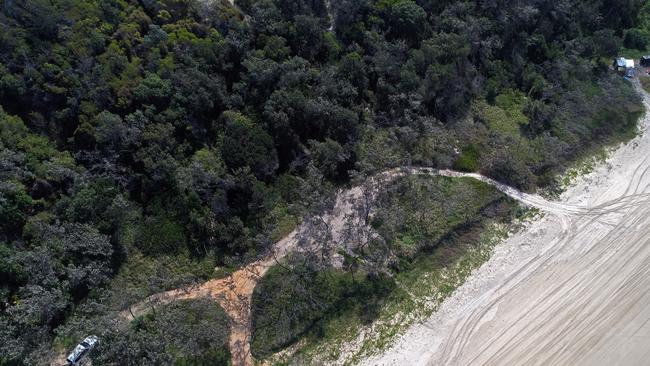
<point>489,307</point>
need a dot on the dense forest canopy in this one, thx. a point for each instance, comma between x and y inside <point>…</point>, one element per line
<point>196,128</point>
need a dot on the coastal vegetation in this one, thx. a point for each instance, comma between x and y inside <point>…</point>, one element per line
<point>147,145</point>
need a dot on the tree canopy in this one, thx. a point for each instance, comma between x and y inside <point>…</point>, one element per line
<point>188,129</point>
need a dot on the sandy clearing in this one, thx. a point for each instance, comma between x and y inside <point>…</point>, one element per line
<point>572,289</point>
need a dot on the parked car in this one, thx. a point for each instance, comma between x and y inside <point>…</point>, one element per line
<point>82,349</point>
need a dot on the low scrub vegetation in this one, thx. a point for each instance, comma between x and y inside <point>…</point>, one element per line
<point>636,40</point>
<point>194,133</point>
<point>416,213</point>
<point>293,300</point>
<point>645,83</point>
<point>427,223</point>
<point>187,332</point>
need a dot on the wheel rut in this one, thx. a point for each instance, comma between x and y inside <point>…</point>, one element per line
<point>580,296</point>
<point>234,292</point>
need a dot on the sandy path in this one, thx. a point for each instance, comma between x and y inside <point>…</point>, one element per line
<point>573,289</point>
<point>235,291</point>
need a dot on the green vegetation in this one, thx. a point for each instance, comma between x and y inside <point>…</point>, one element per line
<point>142,276</point>
<point>417,213</point>
<point>580,168</point>
<point>188,332</point>
<point>144,143</point>
<point>287,304</point>
<point>468,159</point>
<point>645,83</point>
<point>636,40</point>
<point>506,116</point>
<point>437,229</point>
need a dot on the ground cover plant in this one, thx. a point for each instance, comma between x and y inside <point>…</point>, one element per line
<point>426,225</point>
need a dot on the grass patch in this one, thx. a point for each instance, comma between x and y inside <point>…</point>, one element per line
<point>285,222</point>
<point>467,161</point>
<point>633,53</point>
<point>425,209</point>
<point>142,276</point>
<point>505,116</point>
<point>441,229</point>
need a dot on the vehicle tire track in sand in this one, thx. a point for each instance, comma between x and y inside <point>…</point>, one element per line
<point>581,296</point>
<point>571,285</point>
<point>235,291</point>
<point>538,261</point>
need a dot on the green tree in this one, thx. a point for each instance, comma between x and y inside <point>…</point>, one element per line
<point>247,144</point>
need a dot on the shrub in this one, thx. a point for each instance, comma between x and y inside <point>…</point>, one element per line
<point>467,161</point>
<point>247,144</point>
<point>416,213</point>
<point>287,304</point>
<point>161,235</point>
<point>636,39</point>
<point>188,332</point>
<point>14,206</point>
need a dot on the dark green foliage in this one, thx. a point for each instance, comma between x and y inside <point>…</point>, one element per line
<point>328,156</point>
<point>637,31</point>
<point>635,39</point>
<point>189,332</point>
<point>288,303</point>
<point>61,265</point>
<point>247,145</point>
<point>404,18</point>
<point>468,159</point>
<point>416,213</point>
<point>11,271</point>
<point>15,204</point>
<point>161,235</point>
<point>605,113</point>
<point>189,129</point>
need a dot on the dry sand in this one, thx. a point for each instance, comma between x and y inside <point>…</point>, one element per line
<point>574,282</point>
<point>571,289</point>
<point>234,292</point>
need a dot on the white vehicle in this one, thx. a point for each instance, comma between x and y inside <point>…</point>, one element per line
<point>82,349</point>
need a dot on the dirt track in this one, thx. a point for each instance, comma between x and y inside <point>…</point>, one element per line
<point>548,296</point>
<point>234,292</point>
<point>573,289</point>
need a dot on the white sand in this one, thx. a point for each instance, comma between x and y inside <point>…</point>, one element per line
<point>571,289</point>
<point>572,283</point>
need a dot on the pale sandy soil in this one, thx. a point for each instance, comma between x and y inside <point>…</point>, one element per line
<point>234,292</point>
<point>571,289</point>
<point>536,272</point>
